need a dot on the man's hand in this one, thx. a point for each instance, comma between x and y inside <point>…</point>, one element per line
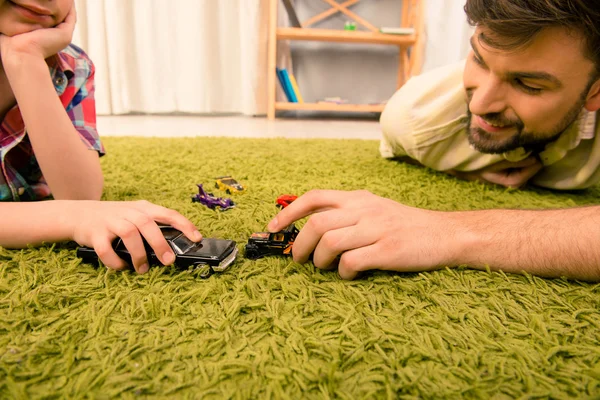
<point>97,223</point>
<point>367,232</point>
<point>40,43</point>
<point>505,173</point>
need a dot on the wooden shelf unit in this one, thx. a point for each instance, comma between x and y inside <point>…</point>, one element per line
<point>373,108</point>
<point>408,63</point>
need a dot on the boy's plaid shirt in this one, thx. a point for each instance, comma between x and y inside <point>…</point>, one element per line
<point>72,73</point>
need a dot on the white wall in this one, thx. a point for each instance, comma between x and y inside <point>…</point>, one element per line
<point>368,73</point>
<point>448,33</point>
<point>204,56</point>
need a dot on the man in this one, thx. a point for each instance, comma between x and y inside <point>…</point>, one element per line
<point>525,111</point>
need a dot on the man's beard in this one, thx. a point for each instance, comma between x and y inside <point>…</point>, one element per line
<point>486,142</point>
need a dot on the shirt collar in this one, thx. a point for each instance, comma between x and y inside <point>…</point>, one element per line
<point>60,71</point>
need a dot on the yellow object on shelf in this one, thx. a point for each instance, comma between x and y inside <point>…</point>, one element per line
<point>296,88</point>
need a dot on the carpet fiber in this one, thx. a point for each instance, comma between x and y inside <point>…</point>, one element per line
<point>275,329</point>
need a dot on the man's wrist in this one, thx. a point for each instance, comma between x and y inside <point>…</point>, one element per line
<point>465,239</point>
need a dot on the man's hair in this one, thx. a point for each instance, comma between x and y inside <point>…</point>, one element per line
<point>515,23</point>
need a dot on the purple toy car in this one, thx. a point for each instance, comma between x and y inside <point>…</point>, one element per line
<point>211,201</point>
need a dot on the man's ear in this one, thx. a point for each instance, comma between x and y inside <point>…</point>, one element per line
<point>592,102</point>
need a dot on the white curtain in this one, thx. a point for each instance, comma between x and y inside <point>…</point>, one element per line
<point>447,34</point>
<point>168,56</point>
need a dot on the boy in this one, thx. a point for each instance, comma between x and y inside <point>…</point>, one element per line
<point>49,144</point>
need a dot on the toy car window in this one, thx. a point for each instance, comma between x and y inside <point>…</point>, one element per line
<point>182,244</point>
<point>278,237</point>
<point>170,233</point>
<point>228,181</point>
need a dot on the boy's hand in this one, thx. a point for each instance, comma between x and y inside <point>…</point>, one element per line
<point>97,223</point>
<point>40,43</point>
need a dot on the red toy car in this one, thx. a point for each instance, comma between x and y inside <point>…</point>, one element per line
<point>285,200</point>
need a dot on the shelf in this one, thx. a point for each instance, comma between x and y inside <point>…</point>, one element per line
<point>375,108</point>
<point>333,35</point>
<point>409,47</point>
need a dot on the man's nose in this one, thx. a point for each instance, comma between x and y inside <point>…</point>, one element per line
<point>488,98</point>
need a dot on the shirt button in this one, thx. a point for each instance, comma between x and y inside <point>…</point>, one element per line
<point>60,80</point>
<point>21,190</point>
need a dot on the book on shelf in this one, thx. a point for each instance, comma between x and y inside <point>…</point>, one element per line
<point>289,86</point>
<point>283,84</point>
<point>397,31</point>
<point>292,14</point>
<point>296,88</point>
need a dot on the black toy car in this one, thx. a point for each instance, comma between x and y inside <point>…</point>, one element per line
<point>208,255</point>
<point>262,244</point>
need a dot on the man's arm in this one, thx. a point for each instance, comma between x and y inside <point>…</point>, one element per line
<point>71,170</point>
<point>370,232</point>
<point>549,243</point>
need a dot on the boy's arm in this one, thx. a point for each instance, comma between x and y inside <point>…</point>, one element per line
<point>94,224</point>
<point>71,170</point>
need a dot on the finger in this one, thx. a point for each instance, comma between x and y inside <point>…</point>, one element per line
<point>513,178</point>
<point>71,17</point>
<point>505,164</point>
<point>317,226</point>
<point>499,178</point>
<point>132,240</point>
<point>309,203</point>
<point>170,217</point>
<point>68,24</point>
<point>356,261</point>
<point>107,255</point>
<point>336,242</point>
<point>523,175</point>
<point>153,235</point>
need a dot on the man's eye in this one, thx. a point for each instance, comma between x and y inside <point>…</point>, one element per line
<point>527,88</point>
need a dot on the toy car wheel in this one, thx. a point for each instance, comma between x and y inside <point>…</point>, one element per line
<point>203,270</point>
<point>252,252</point>
<point>228,191</point>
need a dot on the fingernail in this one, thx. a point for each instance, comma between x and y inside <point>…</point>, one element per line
<point>144,268</point>
<point>273,223</point>
<point>168,257</point>
<point>197,236</point>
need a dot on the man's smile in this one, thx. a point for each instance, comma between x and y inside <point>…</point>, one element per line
<point>492,127</point>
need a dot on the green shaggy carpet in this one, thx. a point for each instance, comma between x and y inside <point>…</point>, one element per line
<point>275,329</point>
